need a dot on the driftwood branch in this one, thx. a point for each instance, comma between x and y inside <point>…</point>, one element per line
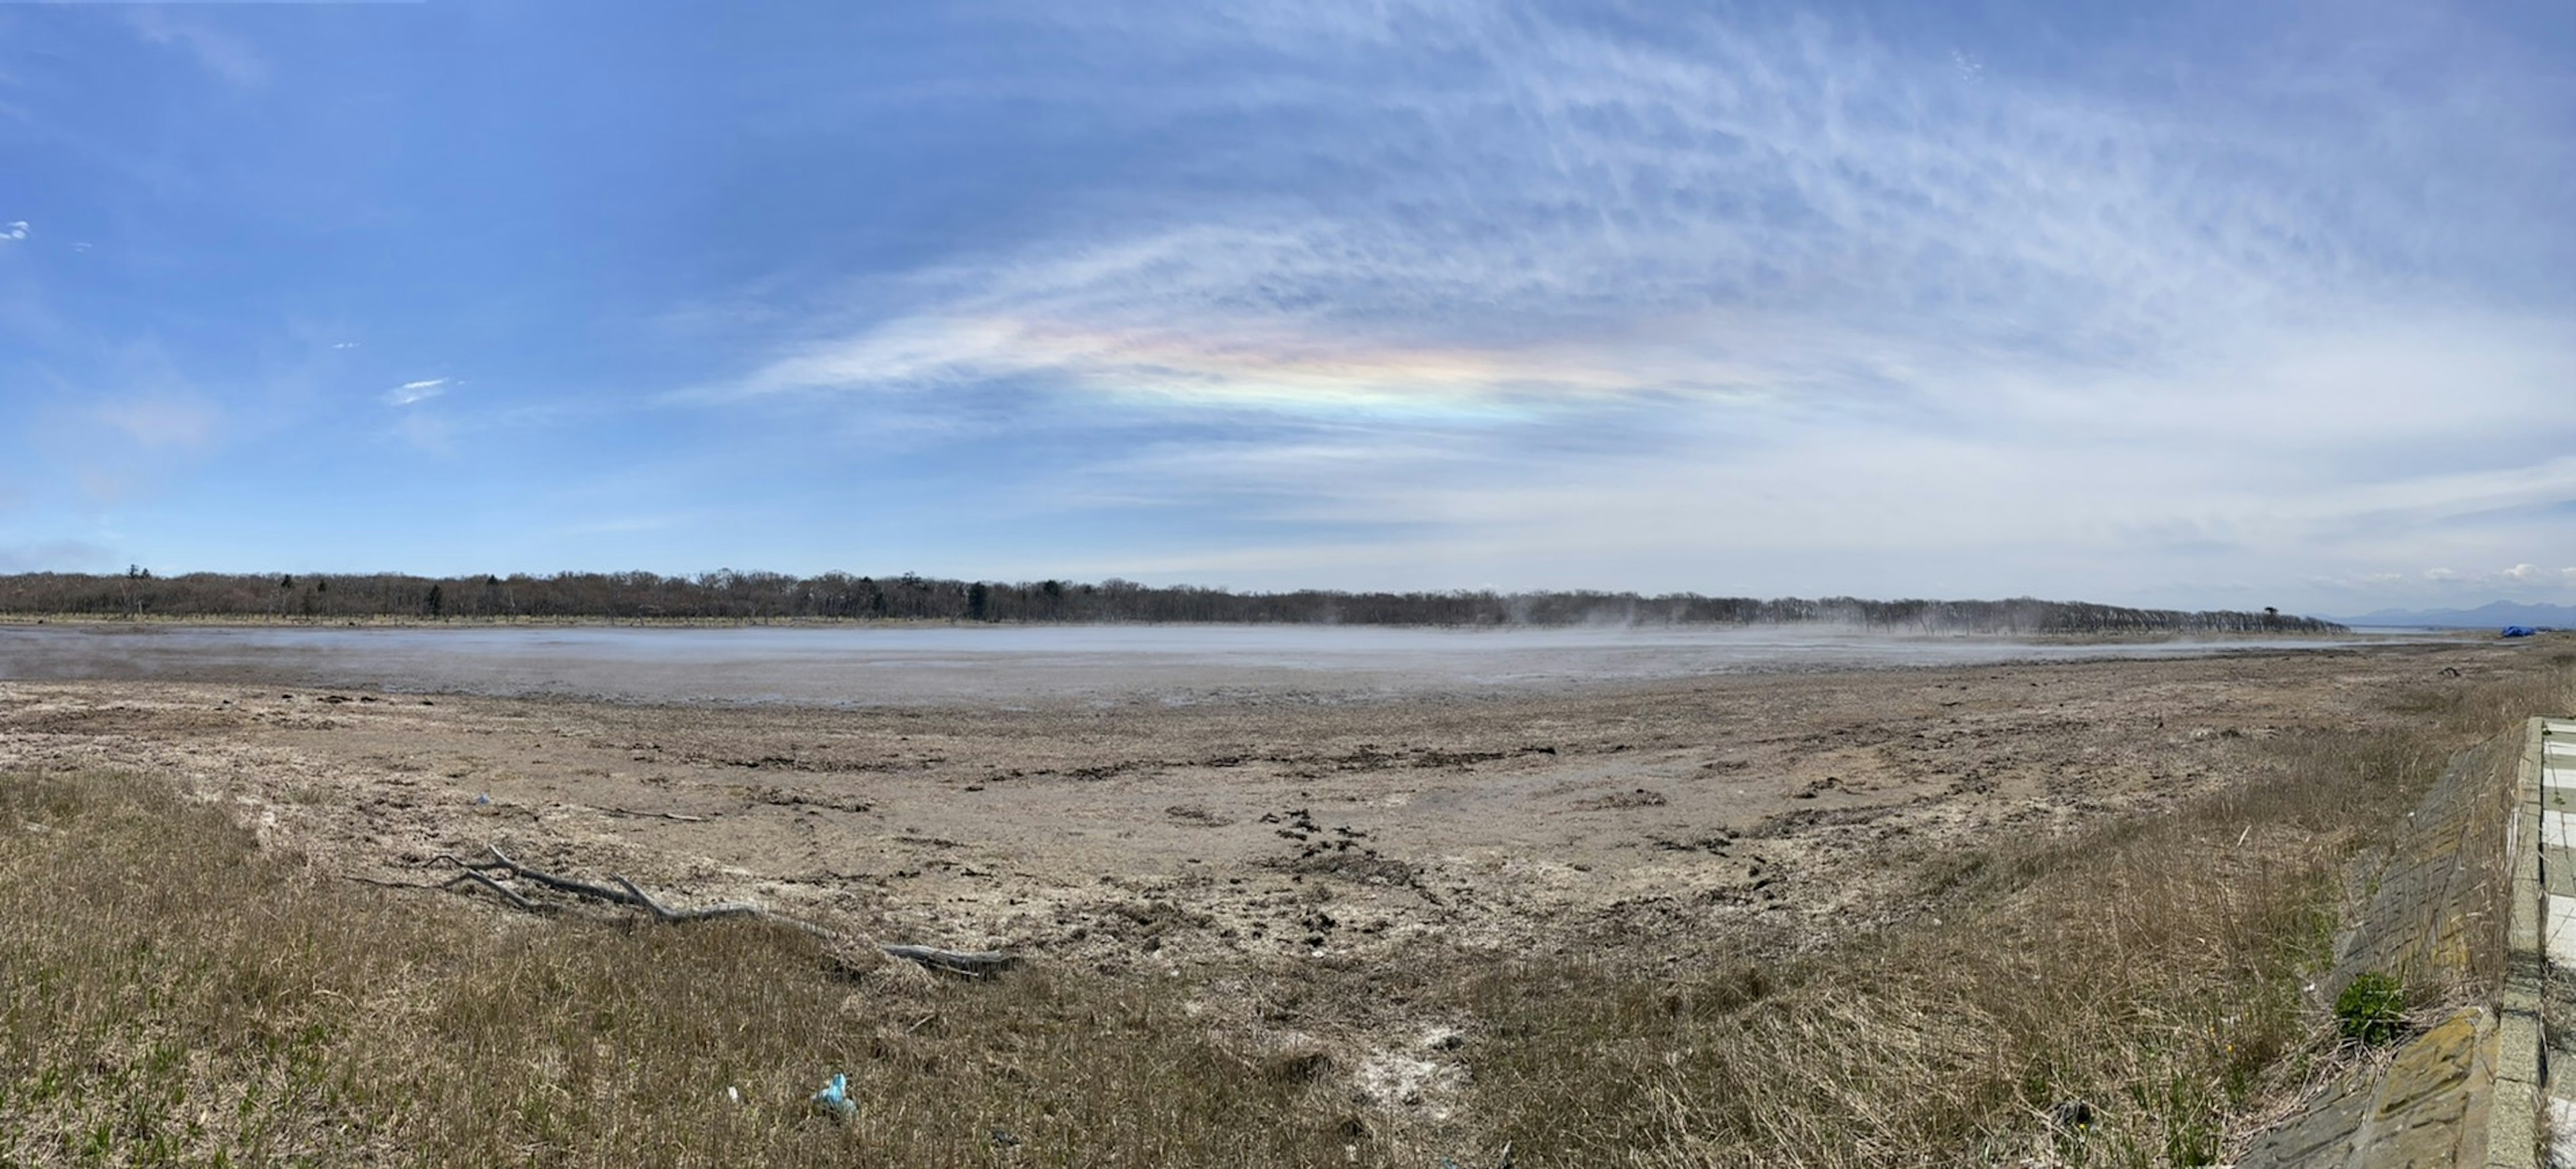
<point>972,963</point>
<point>501,862</point>
<point>506,893</point>
<point>666,914</point>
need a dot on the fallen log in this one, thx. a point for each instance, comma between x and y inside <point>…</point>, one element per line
<point>971,963</point>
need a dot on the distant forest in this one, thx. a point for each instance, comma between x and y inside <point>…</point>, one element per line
<point>770,596</point>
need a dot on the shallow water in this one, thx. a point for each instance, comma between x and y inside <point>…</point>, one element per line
<point>902,666</point>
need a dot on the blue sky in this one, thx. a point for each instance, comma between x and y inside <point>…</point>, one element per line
<point>2191,304</point>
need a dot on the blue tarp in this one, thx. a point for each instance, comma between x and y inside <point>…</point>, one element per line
<point>2519,631</point>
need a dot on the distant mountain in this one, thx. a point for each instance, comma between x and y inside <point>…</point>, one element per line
<point>2495,614</point>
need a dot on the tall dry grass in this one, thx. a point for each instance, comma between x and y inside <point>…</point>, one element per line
<point>170,995</point>
<point>2150,977</point>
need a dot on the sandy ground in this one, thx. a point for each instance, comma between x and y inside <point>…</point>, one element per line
<point>1249,833</point>
<point>1672,820</point>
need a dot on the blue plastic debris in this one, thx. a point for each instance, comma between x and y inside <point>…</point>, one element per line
<point>2519,631</point>
<point>835,1096</point>
<point>482,799</point>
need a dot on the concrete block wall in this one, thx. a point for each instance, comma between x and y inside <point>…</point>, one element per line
<point>2458,911</point>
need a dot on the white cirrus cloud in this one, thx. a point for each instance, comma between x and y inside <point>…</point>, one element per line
<point>1473,288</point>
<point>15,229</point>
<point>1583,193</point>
<point>420,391</point>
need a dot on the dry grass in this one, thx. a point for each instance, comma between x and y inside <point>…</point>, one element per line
<point>174,996</point>
<point>2152,971</point>
<point>2154,979</point>
<point>171,994</point>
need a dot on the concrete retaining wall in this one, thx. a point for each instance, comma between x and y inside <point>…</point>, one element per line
<point>2455,913</point>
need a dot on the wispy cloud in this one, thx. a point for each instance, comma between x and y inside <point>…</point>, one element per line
<point>14,230</point>
<point>2168,306</point>
<point>410,393</point>
<point>1722,291</point>
<point>1711,199</point>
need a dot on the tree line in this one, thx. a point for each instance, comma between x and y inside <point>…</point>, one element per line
<point>765,596</point>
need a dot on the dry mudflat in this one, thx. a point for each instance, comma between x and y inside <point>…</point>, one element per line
<point>1656,821</point>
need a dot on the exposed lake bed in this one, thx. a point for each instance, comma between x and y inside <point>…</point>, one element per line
<point>1497,790</point>
<point>1152,807</point>
<point>969,664</point>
